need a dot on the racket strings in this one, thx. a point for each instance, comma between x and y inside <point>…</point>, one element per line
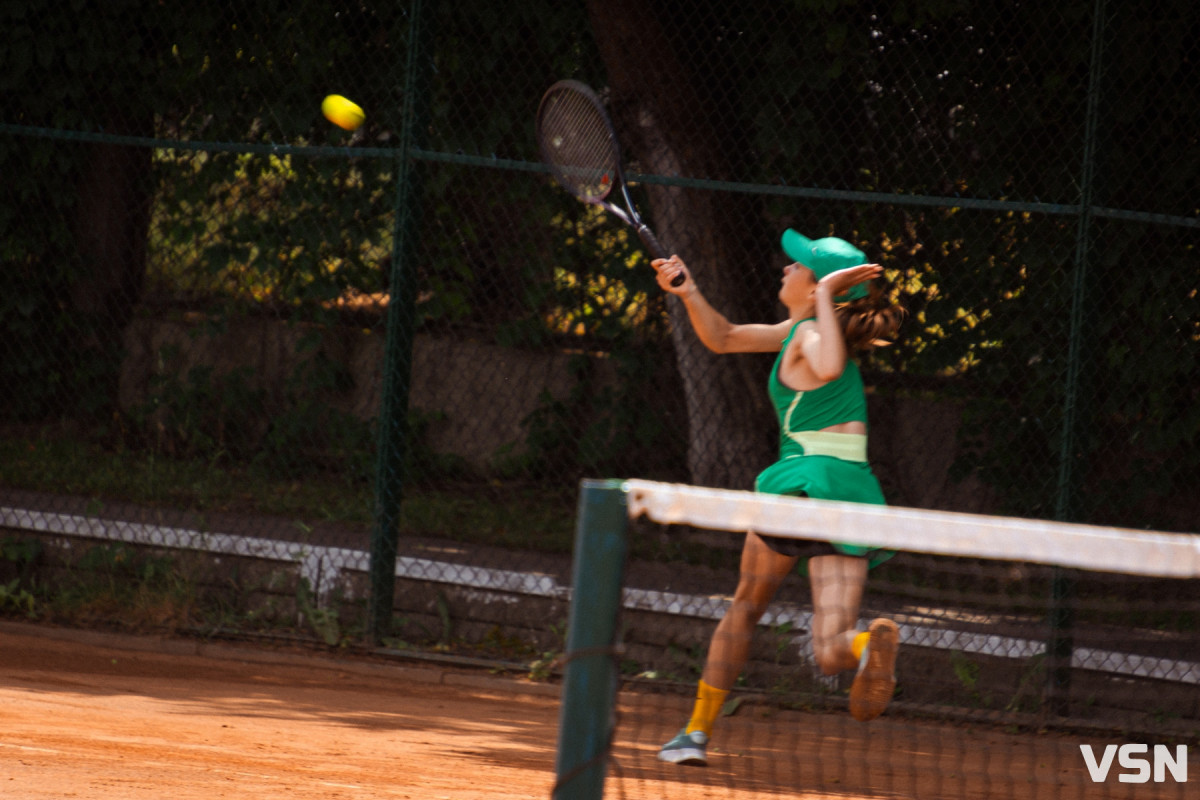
<point>577,142</point>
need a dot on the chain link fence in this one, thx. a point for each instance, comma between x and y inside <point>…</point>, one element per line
<point>234,332</point>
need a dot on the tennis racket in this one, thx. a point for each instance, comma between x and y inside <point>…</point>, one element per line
<point>577,142</point>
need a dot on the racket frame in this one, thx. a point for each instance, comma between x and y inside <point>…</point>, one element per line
<point>629,215</point>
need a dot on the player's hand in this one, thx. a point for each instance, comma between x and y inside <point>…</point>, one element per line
<point>668,269</point>
<point>843,280</point>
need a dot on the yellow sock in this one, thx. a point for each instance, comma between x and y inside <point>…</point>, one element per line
<point>859,644</point>
<point>708,705</point>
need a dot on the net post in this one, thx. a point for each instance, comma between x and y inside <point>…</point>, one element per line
<point>586,720</point>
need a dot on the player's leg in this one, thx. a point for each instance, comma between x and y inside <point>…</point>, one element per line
<point>837,588</point>
<point>762,570</point>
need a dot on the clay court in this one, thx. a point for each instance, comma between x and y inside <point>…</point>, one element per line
<point>117,717</point>
<point>93,716</point>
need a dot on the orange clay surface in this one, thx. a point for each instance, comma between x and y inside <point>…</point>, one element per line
<point>117,717</point>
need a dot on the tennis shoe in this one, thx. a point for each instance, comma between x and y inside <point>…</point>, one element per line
<point>876,678</point>
<point>686,748</point>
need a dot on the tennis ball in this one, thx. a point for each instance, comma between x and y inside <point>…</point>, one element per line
<point>342,112</point>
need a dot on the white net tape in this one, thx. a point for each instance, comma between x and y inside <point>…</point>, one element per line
<point>1101,549</point>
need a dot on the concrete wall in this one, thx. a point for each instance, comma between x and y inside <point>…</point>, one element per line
<point>475,397</point>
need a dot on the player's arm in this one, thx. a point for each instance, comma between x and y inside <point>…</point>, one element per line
<point>714,330</point>
<point>824,348</point>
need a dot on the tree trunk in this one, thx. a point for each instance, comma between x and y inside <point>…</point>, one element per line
<point>111,229</point>
<point>664,125</point>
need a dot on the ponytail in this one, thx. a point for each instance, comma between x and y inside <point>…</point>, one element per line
<point>870,322</point>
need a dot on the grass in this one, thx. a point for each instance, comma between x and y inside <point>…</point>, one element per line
<point>501,514</point>
<point>51,462</point>
<point>516,514</point>
<point>519,518</point>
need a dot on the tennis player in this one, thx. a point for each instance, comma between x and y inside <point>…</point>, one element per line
<point>818,394</point>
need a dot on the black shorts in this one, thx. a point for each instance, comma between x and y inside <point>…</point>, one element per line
<point>804,548</point>
<point>811,548</point>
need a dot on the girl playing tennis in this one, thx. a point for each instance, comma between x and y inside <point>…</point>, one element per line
<point>818,395</point>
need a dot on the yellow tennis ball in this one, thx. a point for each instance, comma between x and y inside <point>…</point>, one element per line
<point>342,112</point>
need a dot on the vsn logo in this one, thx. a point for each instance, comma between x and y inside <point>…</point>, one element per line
<point>1133,757</point>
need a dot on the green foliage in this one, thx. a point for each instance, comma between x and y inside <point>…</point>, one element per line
<point>949,100</point>
<point>18,558</point>
<point>14,598</point>
<point>293,232</point>
<point>307,433</point>
<point>203,414</point>
<point>117,564</point>
<point>967,673</point>
<point>117,582</point>
<point>549,662</point>
<point>20,553</point>
<point>323,619</point>
<point>601,427</point>
<point>1028,695</point>
<point>122,68</point>
<point>604,297</point>
<point>514,515</point>
<point>200,413</point>
<point>253,200</point>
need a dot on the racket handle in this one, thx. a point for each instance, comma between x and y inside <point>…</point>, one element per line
<point>657,250</point>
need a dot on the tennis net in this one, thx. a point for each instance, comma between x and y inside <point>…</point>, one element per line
<point>1036,659</point>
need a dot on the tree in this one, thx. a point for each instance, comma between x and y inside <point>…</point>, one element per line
<point>73,278</point>
<point>971,100</point>
<point>665,113</point>
<point>130,69</point>
<point>881,123</point>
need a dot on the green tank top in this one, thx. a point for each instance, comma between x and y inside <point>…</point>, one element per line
<point>802,413</point>
<point>838,468</point>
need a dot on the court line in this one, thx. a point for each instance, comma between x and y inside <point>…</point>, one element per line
<point>29,749</point>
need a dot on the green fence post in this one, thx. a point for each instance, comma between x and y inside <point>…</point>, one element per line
<point>586,721</point>
<point>397,358</point>
<point>1060,644</point>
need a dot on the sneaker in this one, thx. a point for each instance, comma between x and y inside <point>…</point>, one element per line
<point>686,748</point>
<point>876,679</point>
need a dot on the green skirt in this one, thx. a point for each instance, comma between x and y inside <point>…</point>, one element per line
<point>827,478</point>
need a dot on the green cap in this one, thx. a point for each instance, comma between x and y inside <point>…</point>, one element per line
<point>824,256</point>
